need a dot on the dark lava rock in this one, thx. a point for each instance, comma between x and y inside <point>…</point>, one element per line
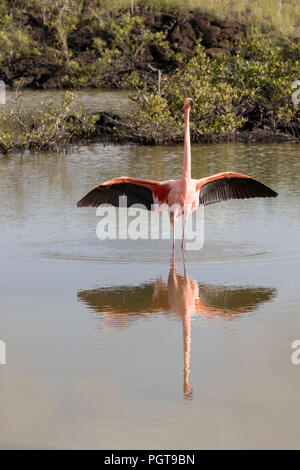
<point>35,69</point>
<point>182,38</point>
<point>211,36</point>
<point>182,29</point>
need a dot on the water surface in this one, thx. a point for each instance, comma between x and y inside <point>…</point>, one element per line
<point>114,344</point>
<point>91,100</point>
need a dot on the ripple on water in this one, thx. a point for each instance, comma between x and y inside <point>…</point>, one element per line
<point>149,252</point>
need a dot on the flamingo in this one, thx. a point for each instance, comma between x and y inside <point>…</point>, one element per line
<point>182,195</point>
<point>182,296</point>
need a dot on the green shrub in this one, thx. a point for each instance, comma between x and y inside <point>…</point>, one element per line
<point>252,88</point>
<point>52,127</point>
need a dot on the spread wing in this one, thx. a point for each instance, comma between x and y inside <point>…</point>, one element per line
<point>137,191</point>
<point>226,186</point>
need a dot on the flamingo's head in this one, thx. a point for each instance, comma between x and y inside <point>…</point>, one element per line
<point>188,103</point>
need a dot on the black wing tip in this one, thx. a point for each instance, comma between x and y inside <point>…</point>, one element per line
<point>83,202</point>
<point>268,192</point>
<point>90,199</point>
<point>86,203</point>
<point>274,194</point>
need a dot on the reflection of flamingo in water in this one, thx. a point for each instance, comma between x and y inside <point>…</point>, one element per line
<point>183,195</point>
<point>182,296</point>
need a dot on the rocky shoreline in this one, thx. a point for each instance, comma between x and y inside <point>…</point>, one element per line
<point>182,29</point>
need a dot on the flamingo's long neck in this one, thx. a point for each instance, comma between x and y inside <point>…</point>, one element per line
<point>187,146</point>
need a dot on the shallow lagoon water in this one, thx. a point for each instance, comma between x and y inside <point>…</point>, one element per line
<point>112,345</point>
<point>91,100</point>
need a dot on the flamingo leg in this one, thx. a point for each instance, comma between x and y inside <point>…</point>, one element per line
<point>173,220</point>
<point>173,226</point>
<point>182,241</point>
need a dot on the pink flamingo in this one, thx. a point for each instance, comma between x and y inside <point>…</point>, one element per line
<point>183,195</point>
<point>181,296</point>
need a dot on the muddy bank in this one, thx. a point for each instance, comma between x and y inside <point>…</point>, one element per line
<point>47,68</point>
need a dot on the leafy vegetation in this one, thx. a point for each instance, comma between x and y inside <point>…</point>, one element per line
<point>240,78</point>
<point>96,43</point>
<point>52,127</point>
<point>123,51</point>
<point>250,90</point>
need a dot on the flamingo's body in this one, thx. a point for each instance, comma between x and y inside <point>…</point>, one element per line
<point>183,195</point>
